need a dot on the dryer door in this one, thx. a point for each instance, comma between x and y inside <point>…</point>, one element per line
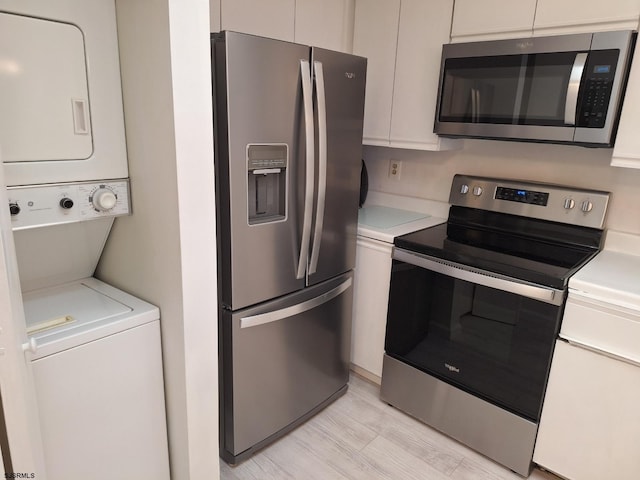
<point>43,91</point>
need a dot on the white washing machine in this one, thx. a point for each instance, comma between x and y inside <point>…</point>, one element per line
<point>95,350</point>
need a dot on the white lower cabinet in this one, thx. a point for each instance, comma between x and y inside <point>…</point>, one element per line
<point>371,294</point>
<point>590,426</point>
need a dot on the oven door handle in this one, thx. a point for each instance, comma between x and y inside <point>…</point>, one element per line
<point>491,280</point>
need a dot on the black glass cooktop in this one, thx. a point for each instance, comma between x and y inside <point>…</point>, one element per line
<point>537,251</point>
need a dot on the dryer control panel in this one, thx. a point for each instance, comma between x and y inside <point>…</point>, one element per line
<point>41,205</point>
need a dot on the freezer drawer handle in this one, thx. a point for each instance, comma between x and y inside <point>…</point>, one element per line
<point>468,274</point>
<point>261,319</point>
<point>322,165</point>
<point>307,100</point>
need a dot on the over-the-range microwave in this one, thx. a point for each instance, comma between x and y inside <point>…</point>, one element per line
<point>559,89</point>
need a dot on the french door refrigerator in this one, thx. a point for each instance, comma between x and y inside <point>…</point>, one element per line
<point>288,143</point>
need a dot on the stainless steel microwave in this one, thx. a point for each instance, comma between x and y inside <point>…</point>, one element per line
<point>558,89</point>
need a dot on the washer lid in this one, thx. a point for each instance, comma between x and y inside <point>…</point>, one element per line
<point>68,305</point>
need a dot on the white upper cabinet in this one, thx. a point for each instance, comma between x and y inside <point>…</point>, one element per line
<point>626,152</point>
<point>319,23</point>
<point>325,23</point>
<point>492,19</point>
<point>266,18</point>
<point>214,15</point>
<point>498,19</point>
<point>402,40</point>
<point>375,36</point>
<point>576,16</point>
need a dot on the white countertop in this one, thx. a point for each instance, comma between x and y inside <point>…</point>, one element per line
<point>613,276</point>
<point>384,216</point>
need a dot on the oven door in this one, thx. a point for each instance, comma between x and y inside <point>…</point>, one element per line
<point>488,335</point>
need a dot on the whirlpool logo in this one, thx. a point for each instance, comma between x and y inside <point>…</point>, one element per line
<point>451,368</point>
<point>350,75</point>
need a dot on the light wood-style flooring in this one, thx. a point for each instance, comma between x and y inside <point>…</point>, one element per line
<point>359,437</point>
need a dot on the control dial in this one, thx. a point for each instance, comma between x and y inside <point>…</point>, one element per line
<point>66,203</point>
<point>587,206</point>
<point>103,199</point>
<point>477,191</point>
<point>569,203</point>
<point>464,189</point>
<point>14,209</point>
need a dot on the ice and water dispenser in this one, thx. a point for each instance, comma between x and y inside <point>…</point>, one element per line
<point>267,183</point>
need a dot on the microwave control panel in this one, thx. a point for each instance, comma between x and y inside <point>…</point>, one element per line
<point>598,76</point>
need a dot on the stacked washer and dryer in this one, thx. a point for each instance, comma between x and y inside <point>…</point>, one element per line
<point>95,351</point>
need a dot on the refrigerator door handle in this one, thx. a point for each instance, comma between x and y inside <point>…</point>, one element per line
<point>274,316</point>
<point>307,100</point>
<point>322,164</point>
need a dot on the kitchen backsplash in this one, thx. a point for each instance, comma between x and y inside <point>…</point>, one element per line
<point>428,174</point>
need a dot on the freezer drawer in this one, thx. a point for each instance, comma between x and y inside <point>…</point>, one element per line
<point>281,362</point>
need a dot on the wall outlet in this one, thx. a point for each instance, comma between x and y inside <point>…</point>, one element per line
<point>395,169</point>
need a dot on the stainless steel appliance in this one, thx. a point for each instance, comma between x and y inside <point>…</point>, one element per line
<point>288,156</point>
<point>475,307</point>
<point>560,89</point>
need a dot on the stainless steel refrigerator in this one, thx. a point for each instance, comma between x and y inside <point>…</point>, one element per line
<point>288,143</point>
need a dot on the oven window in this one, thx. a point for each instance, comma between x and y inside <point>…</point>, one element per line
<point>492,344</point>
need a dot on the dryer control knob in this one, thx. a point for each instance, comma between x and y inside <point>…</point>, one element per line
<point>477,191</point>
<point>14,209</point>
<point>569,203</point>
<point>464,189</point>
<point>587,206</point>
<point>104,199</point>
<point>66,203</point>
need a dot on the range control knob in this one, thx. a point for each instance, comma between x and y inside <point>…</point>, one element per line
<point>104,199</point>
<point>66,203</point>
<point>14,209</point>
<point>477,191</point>
<point>569,203</point>
<point>464,189</point>
<point>587,206</point>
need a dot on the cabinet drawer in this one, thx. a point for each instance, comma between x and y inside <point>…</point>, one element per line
<point>609,328</point>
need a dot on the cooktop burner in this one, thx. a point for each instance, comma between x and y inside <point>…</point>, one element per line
<point>533,232</point>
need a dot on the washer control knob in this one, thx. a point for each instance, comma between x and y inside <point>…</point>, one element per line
<point>14,209</point>
<point>477,191</point>
<point>569,203</point>
<point>464,189</point>
<point>104,199</point>
<point>587,206</point>
<point>66,203</point>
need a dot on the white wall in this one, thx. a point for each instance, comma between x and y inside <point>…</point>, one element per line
<point>165,252</point>
<point>429,174</point>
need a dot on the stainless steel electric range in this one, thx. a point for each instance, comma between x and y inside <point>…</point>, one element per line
<point>476,304</point>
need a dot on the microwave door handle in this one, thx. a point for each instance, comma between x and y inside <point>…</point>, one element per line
<point>307,100</point>
<point>571,103</point>
<point>473,105</point>
<point>322,164</point>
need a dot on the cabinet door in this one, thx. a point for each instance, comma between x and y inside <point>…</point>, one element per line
<point>590,425</point>
<point>375,36</point>
<point>326,24</point>
<point>370,297</point>
<point>267,18</point>
<point>492,19</point>
<point>626,152</point>
<point>424,28</point>
<point>575,16</point>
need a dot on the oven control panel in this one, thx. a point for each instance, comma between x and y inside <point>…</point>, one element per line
<point>42,205</point>
<point>551,202</point>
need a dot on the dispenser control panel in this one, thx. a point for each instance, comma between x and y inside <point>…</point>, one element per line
<point>42,205</point>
